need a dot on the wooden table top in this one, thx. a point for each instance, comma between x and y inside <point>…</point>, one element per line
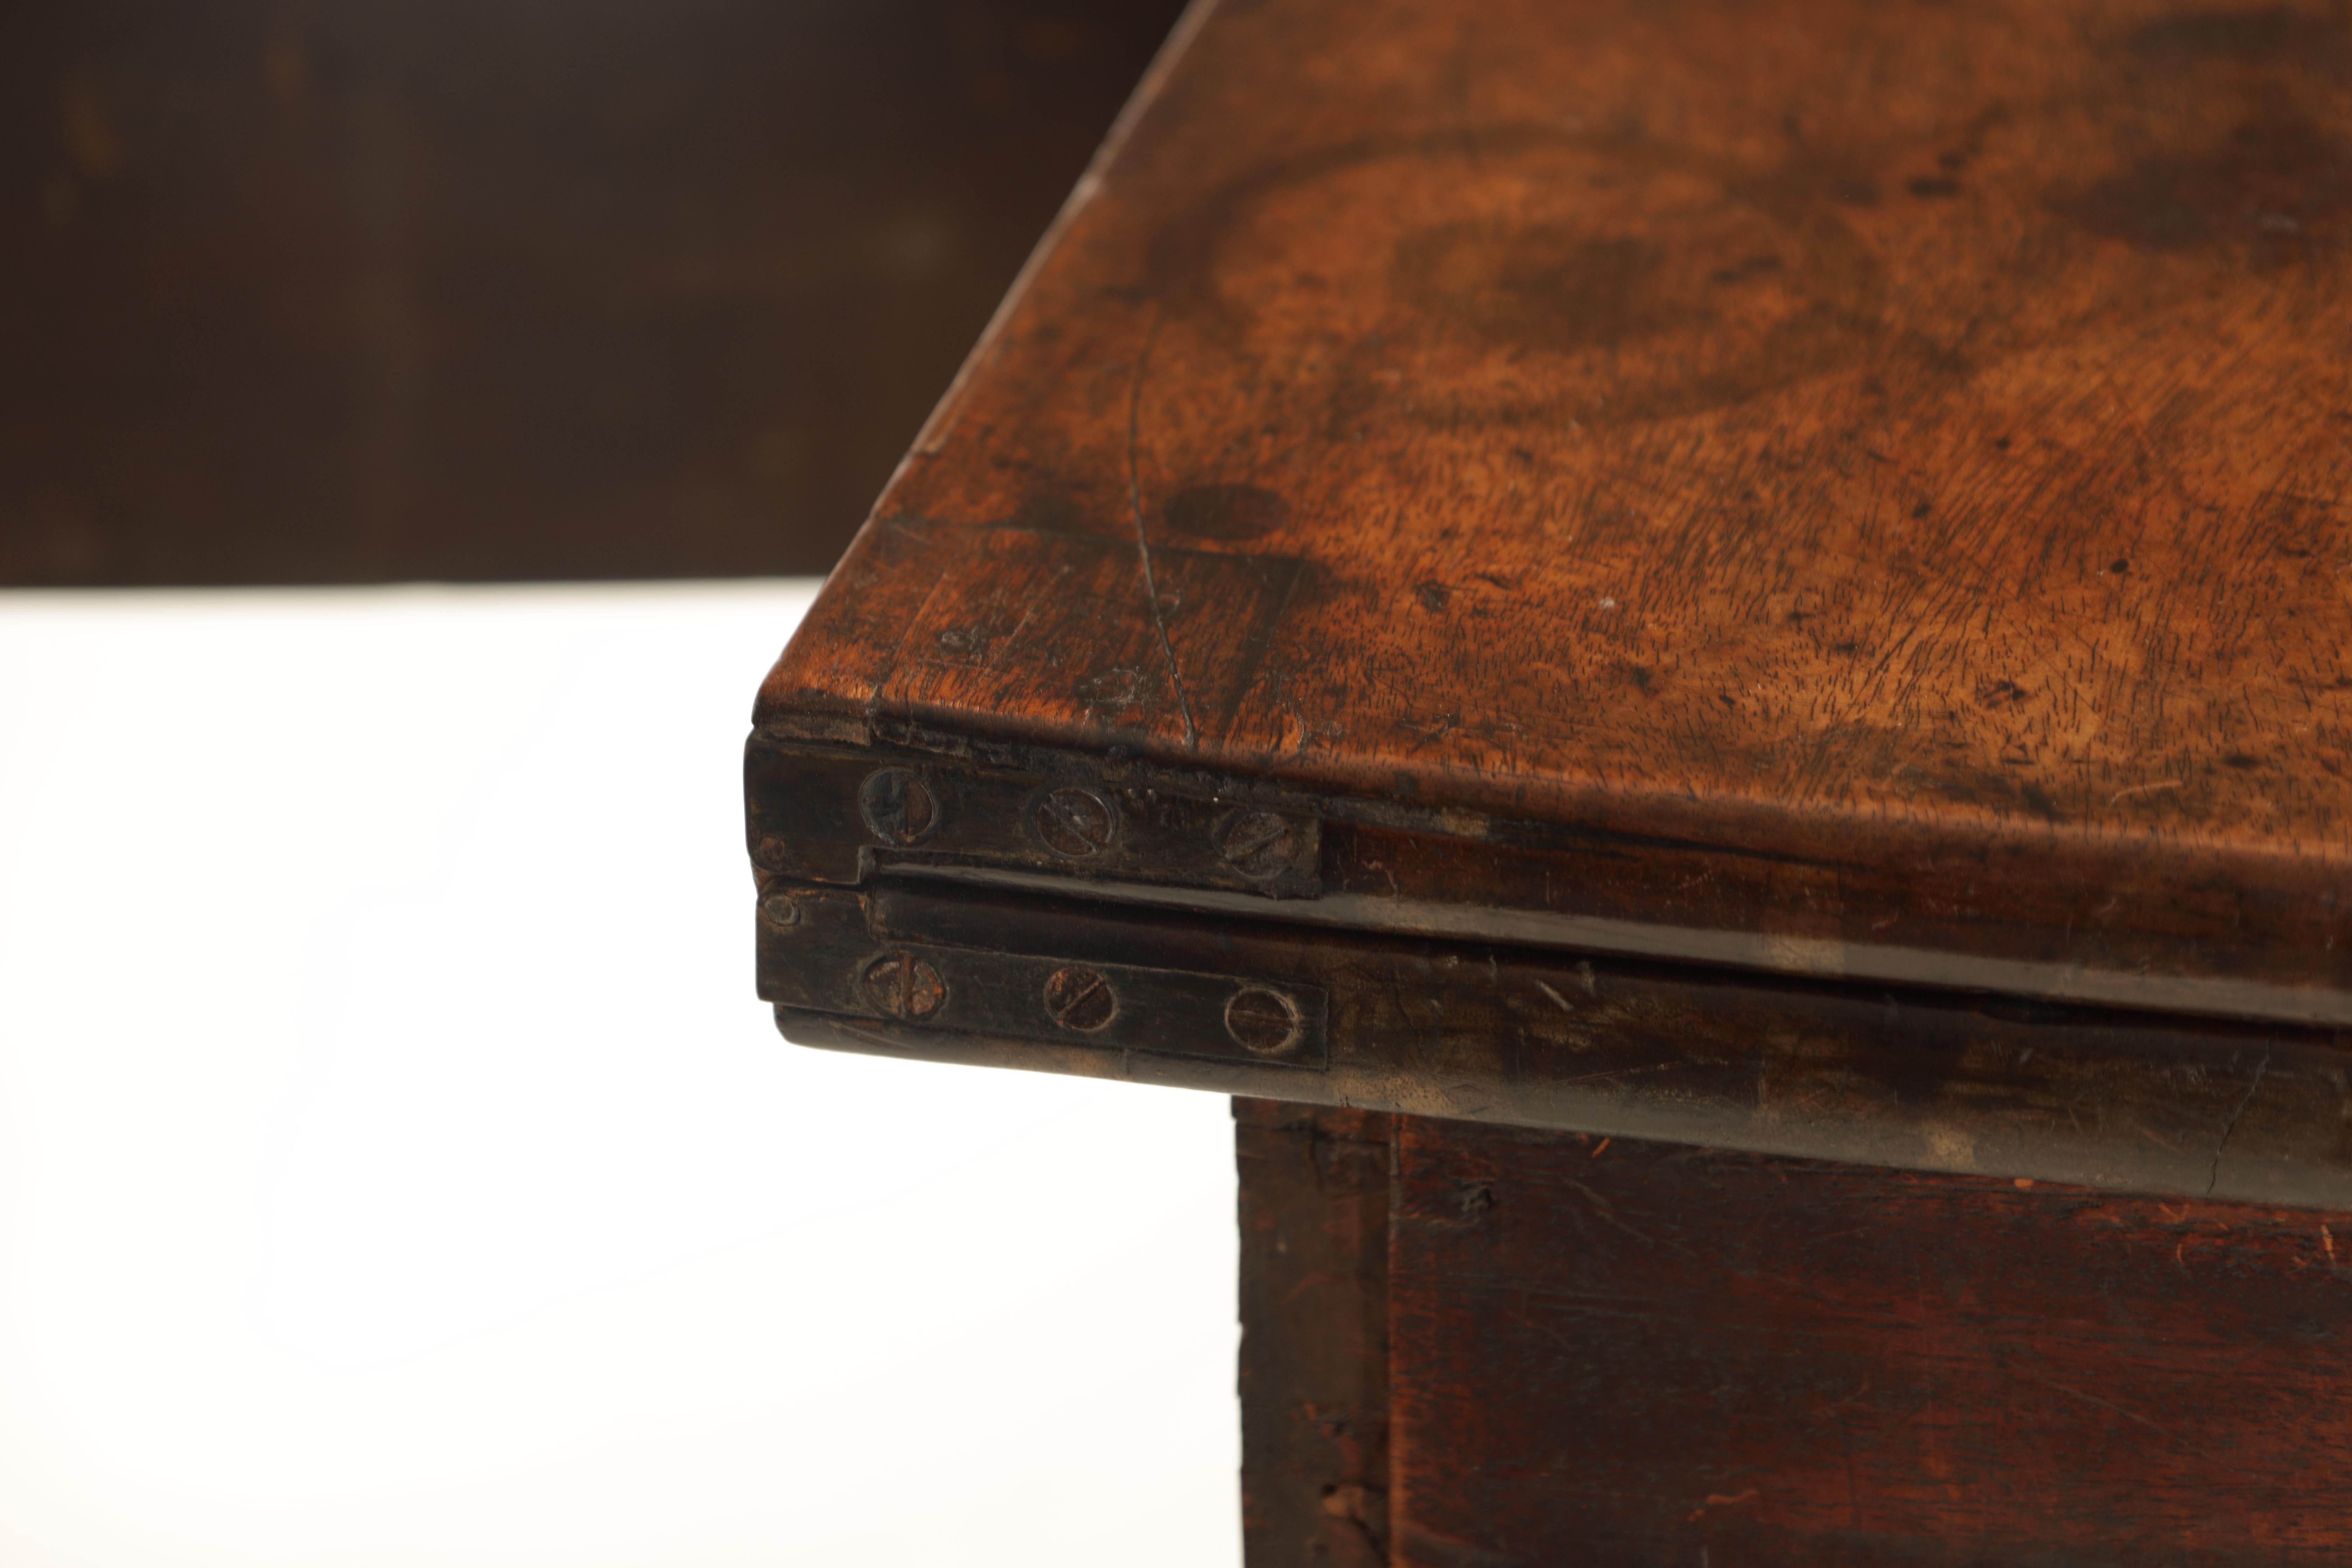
<point>1862,483</point>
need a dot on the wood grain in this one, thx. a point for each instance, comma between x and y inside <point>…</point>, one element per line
<point>1906,441</point>
<point>1614,1352</point>
<point>1315,1348</point>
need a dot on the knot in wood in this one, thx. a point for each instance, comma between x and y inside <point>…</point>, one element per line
<point>1257,844</point>
<point>898,805</point>
<point>1072,822</point>
<point>1262,1021</point>
<point>900,985</point>
<point>1080,998</point>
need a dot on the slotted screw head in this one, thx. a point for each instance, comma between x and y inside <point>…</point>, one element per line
<point>1257,844</point>
<point>1073,822</point>
<point>901,986</point>
<point>898,805</point>
<point>1079,998</point>
<point>1263,1021</point>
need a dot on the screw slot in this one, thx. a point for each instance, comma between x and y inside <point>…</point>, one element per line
<point>1073,823</point>
<point>1262,1021</point>
<point>1079,998</point>
<point>898,806</point>
<point>903,986</point>
<point>1260,845</point>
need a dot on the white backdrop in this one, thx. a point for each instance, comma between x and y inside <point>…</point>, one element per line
<point>396,1168</point>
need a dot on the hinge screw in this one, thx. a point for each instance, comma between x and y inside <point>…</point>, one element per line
<point>1262,1021</point>
<point>779,910</point>
<point>1257,844</point>
<point>1080,999</point>
<point>898,805</point>
<point>1073,822</point>
<point>904,986</point>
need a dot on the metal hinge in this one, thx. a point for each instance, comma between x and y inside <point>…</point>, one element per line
<point>825,950</point>
<point>825,814</point>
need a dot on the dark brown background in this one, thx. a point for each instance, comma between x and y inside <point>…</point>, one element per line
<point>377,290</point>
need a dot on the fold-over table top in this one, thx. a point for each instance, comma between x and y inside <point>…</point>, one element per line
<point>1889,459</point>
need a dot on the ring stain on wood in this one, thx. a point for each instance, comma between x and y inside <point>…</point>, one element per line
<point>1966,536</point>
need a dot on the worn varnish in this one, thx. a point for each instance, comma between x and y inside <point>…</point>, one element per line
<point>1801,491</point>
<point>1888,460</point>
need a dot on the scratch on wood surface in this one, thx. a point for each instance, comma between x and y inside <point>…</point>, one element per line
<point>1142,538</point>
<point>1624,1072</point>
<point>1720,1500</point>
<point>2214,1176</point>
<point>2102,1404</point>
<point>1606,1214</point>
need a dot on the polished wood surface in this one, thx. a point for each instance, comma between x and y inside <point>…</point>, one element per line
<point>1877,467</point>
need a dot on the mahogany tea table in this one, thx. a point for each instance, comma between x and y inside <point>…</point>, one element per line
<point>1705,648</point>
